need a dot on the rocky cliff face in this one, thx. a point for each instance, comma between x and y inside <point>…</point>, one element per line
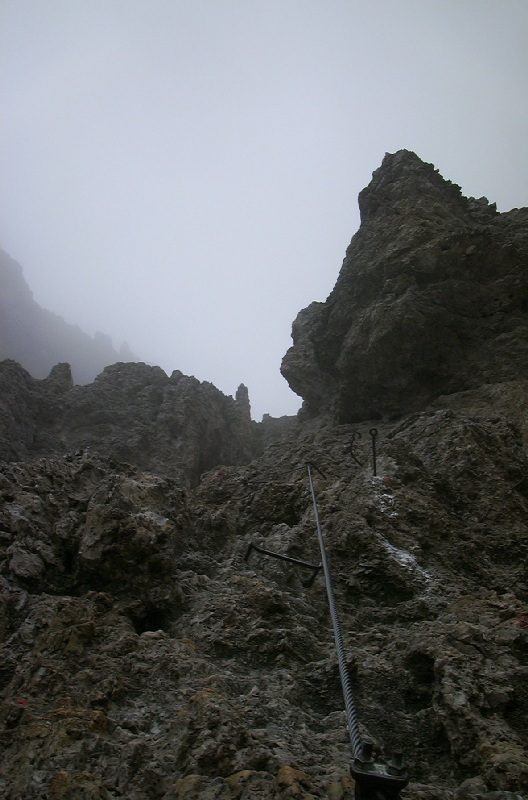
<point>38,339</point>
<point>143,658</point>
<point>141,655</point>
<point>132,412</point>
<point>432,298</point>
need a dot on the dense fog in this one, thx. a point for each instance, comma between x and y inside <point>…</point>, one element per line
<point>183,176</point>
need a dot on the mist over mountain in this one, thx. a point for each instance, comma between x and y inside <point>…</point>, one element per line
<point>151,646</point>
<point>38,339</point>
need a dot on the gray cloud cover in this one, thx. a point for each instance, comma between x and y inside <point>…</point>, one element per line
<point>183,175</point>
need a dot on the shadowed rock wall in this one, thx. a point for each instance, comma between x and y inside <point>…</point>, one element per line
<point>432,298</point>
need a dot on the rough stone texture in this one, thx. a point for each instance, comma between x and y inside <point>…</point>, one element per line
<point>174,426</point>
<point>432,298</point>
<point>38,339</point>
<point>142,657</point>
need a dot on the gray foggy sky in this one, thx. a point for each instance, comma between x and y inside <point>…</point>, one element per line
<point>183,174</point>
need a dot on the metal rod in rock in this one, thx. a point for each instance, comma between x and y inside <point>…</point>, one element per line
<point>373,433</point>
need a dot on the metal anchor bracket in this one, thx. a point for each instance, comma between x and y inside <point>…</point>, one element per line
<point>378,780</point>
<point>355,435</point>
<point>306,564</point>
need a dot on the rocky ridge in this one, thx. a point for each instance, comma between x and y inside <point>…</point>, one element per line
<point>133,412</point>
<point>142,656</point>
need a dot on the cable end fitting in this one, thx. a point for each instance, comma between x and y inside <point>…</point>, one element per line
<point>376,780</point>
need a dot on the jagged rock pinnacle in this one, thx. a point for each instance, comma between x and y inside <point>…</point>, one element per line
<point>431,299</point>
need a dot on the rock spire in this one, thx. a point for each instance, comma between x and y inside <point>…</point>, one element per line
<point>432,298</point>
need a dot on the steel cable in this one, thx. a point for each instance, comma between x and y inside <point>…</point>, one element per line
<point>352,721</point>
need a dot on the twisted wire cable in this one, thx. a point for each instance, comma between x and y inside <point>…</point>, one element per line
<point>350,709</point>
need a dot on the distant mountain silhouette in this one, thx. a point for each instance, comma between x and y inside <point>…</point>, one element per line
<point>38,339</point>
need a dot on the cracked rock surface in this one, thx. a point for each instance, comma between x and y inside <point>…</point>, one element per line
<point>146,653</point>
<point>143,657</point>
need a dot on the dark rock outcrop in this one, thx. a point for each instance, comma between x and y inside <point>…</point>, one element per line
<point>143,657</point>
<point>38,339</point>
<point>432,299</point>
<point>133,412</point>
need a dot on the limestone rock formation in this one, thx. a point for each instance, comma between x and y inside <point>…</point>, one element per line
<point>432,298</point>
<point>38,339</point>
<point>133,412</point>
<point>143,656</point>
